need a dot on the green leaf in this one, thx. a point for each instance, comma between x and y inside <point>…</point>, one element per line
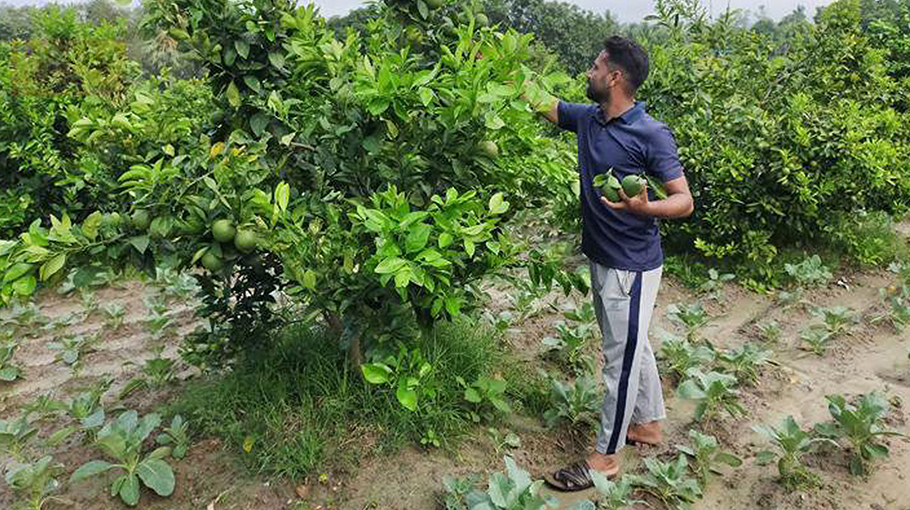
<point>58,437</point>
<point>259,122</point>
<point>471,395</point>
<point>407,397</point>
<point>16,271</point>
<point>233,95</point>
<point>422,9</point>
<point>157,475</point>
<point>498,205</point>
<point>242,47</point>
<point>140,243</point>
<point>25,286</point>
<point>276,59</point>
<point>129,491</point>
<point>445,239</point>
<point>494,122</point>
<point>765,458</point>
<point>9,374</point>
<point>90,468</point>
<point>309,279</point>
<point>90,225</point>
<point>390,265</point>
<point>426,96</point>
<point>376,373</point>
<point>252,82</point>
<point>689,389</point>
<point>417,237</point>
<point>469,247</point>
<point>282,195</point>
<point>728,459</point>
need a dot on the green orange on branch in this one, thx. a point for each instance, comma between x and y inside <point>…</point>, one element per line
<point>223,231</point>
<point>245,240</point>
<point>140,219</point>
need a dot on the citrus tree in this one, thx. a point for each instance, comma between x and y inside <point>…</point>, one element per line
<point>364,177</point>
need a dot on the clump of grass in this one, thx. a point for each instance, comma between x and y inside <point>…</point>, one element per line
<point>298,405</point>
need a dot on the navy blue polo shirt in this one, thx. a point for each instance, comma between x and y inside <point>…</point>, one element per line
<point>632,143</point>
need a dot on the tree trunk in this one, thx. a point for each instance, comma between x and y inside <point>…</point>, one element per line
<point>338,328</point>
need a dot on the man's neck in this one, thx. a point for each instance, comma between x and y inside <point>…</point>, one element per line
<point>613,109</point>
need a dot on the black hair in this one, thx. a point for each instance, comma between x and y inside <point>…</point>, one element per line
<point>629,56</point>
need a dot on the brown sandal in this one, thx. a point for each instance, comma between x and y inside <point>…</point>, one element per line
<point>574,477</point>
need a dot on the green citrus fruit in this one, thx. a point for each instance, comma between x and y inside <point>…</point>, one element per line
<point>611,193</point>
<point>223,231</point>
<point>113,219</point>
<point>434,4</point>
<point>631,185</point>
<point>245,240</point>
<point>482,20</point>
<point>141,219</point>
<point>488,148</point>
<point>212,262</point>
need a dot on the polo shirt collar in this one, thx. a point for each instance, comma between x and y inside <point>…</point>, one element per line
<point>628,117</point>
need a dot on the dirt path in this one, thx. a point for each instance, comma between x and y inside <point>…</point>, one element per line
<point>870,358</point>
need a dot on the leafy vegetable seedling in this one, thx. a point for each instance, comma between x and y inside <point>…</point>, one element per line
<point>121,440</point>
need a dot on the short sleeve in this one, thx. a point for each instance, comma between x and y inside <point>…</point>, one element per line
<point>663,160</point>
<point>570,115</point>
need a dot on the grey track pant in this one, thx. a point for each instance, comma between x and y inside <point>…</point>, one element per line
<point>623,302</point>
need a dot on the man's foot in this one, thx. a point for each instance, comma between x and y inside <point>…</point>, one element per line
<point>577,476</point>
<point>645,433</point>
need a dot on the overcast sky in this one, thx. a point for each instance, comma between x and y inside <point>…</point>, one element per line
<point>624,10</point>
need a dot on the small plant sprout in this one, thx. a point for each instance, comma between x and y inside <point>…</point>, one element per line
<point>898,301</point>
<point>792,443</point>
<point>706,455</point>
<point>503,439</point>
<point>713,392</point>
<point>692,318</point>
<point>770,332</point>
<point>488,395</point>
<point>121,440</point>
<point>8,371</point>
<point>71,348</point>
<point>613,495</point>
<point>679,356</point>
<point>816,339</point>
<point>745,361</point>
<point>577,403</point>
<point>34,482</point>
<point>430,438</point>
<point>809,272</point>
<point>835,319</point>
<point>583,314</point>
<point>669,482</point>
<point>156,373</point>
<point>159,325</point>
<point>44,406</point>
<point>114,314</point>
<point>176,437</point>
<point>88,301</point>
<point>513,489</point>
<point>571,343</point>
<point>457,490</point>
<point>14,434</point>
<point>714,285</point>
<point>860,425</point>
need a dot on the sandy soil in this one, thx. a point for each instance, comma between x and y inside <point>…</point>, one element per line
<point>870,357</point>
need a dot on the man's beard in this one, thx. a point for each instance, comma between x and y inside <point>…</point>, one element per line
<point>597,96</point>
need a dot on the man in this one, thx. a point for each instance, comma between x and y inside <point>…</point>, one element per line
<point>622,243</point>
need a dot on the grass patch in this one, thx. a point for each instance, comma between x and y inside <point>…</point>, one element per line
<point>302,408</point>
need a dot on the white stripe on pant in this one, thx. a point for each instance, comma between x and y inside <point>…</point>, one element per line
<point>623,302</point>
